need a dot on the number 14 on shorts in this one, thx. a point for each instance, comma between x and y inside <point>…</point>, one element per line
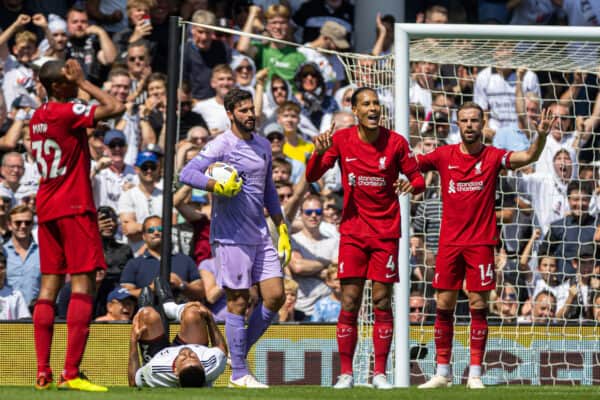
<point>487,274</point>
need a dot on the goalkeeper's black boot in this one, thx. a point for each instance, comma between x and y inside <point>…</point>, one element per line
<point>146,298</point>
<point>162,289</point>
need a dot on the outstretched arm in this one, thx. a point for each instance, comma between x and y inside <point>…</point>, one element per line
<point>519,159</point>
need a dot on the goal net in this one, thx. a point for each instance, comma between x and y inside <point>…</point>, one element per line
<point>544,313</point>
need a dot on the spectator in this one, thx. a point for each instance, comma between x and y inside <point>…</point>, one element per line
<point>244,70</point>
<point>506,307</point>
<point>215,295</point>
<point>212,110</point>
<point>141,201</point>
<point>327,309</point>
<point>138,64</point>
<point>55,42</point>
<point>385,35</point>
<point>574,296</point>
<point>120,306</point>
<point>12,169</point>
<point>294,147</point>
<point>532,12</point>
<point>111,176</point>
<point>6,201</point>
<point>332,36</point>
<point>152,113</point>
<point>109,14</point>
<point>268,99</point>
<point>193,210</point>
<point>580,13</point>
<point>116,254</point>
<point>312,253</point>
<point>103,288</point>
<point>280,59</point>
<point>187,118</point>
<point>12,303</point>
<point>140,27</point>
<point>314,14</point>
<point>282,170</point>
<point>23,255</point>
<point>312,93</point>
<point>422,82</point>
<point>18,75</point>
<point>416,303</point>
<point>141,271</point>
<point>332,215</point>
<point>560,137</point>
<point>90,45</point>
<point>543,311</point>
<point>548,192</point>
<point>274,134</point>
<point>494,91</point>
<point>566,235</point>
<point>201,55</point>
<point>288,312</point>
<point>596,308</point>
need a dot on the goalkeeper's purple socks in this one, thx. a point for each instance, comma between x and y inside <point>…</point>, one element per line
<point>237,338</point>
<point>258,323</point>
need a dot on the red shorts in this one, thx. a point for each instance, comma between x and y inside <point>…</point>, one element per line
<point>368,258</point>
<point>71,245</point>
<point>457,263</point>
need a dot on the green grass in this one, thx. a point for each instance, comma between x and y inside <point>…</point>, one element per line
<point>314,393</point>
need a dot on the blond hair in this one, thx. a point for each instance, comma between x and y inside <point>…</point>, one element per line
<point>149,4</point>
<point>277,10</point>
<point>25,37</point>
<point>290,285</point>
<point>204,17</point>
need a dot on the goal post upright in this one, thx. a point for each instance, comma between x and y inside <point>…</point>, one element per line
<point>403,33</point>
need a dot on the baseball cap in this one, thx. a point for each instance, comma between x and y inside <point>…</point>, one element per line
<point>119,294</point>
<point>337,33</point>
<point>273,130</point>
<point>113,134</point>
<point>146,156</point>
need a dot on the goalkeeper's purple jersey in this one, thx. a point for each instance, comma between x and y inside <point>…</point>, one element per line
<point>239,219</point>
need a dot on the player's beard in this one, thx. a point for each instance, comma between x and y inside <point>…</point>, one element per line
<point>476,137</point>
<point>246,126</point>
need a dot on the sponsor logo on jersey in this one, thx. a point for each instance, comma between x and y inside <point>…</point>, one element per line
<point>371,181</point>
<point>454,187</point>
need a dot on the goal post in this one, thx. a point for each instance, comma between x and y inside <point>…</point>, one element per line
<point>405,34</point>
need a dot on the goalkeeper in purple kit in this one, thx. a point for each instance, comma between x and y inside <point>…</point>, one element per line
<point>238,232</point>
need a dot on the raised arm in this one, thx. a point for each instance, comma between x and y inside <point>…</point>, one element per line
<point>381,33</point>
<point>520,100</point>
<point>519,159</point>
<point>526,255</point>
<point>20,22</point>
<point>243,45</point>
<point>108,52</point>
<point>323,157</point>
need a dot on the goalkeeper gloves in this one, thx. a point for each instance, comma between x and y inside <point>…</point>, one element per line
<point>284,247</point>
<point>229,188</point>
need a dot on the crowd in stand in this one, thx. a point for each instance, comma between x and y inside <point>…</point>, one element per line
<point>548,267</point>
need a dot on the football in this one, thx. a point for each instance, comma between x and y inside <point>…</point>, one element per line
<point>220,171</point>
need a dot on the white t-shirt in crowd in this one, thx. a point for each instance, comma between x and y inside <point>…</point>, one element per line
<point>533,12</point>
<point>108,185</point>
<point>214,115</point>
<point>419,95</point>
<point>582,12</point>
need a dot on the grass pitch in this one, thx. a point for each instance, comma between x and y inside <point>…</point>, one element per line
<point>314,393</point>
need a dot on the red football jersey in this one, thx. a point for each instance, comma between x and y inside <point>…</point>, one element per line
<point>369,170</point>
<point>60,147</point>
<point>468,189</point>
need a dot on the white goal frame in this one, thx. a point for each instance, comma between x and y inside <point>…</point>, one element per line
<point>403,34</point>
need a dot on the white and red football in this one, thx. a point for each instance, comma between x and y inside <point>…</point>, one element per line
<point>220,171</point>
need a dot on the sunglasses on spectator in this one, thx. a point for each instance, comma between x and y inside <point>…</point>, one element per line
<point>116,143</point>
<point>202,139</point>
<point>153,229</point>
<point>509,296</point>
<point>26,222</point>
<point>416,309</point>
<point>309,73</point>
<point>284,196</point>
<point>244,67</point>
<point>276,88</point>
<point>27,199</point>
<point>6,200</point>
<point>310,211</point>
<point>148,167</point>
<point>136,58</point>
<point>186,104</point>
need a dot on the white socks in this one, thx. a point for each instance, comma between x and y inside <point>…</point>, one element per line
<point>475,371</point>
<point>443,370</point>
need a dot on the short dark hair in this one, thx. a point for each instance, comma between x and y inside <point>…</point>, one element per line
<point>586,187</point>
<point>192,376</point>
<point>51,72</point>
<point>470,105</point>
<point>234,97</point>
<point>354,98</point>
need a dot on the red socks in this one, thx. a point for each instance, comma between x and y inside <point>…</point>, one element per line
<point>43,329</point>
<point>347,335</point>
<point>444,332</point>
<point>479,331</point>
<point>79,315</point>
<point>383,332</point>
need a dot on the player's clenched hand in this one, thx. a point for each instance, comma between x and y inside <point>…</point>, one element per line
<point>547,119</point>
<point>324,140</point>
<point>73,72</point>
<point>230,188</point>
<point>284,247</point>
<point>403,186</point>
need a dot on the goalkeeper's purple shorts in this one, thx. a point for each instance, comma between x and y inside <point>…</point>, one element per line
<point>239,266</point>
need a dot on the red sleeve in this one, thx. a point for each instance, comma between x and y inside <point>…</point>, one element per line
<point>410,168</point>
<point>318,164</point>
<point>427,162</point>
<point>80,115</point>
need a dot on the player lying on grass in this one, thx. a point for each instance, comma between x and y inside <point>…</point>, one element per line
<point>188,361</point>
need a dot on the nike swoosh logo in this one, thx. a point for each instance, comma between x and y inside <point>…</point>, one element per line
<point>343,336</point>
<point>351,159</point>
<point>390,275</point>
<point>486,283</point>
<point>385,337</point>
<point>452,166</point>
